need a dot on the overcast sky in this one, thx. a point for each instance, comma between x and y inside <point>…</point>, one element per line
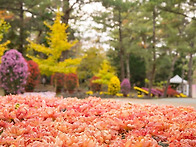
<point>88,34</point>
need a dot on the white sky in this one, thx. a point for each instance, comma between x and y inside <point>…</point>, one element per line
<point>89,36</point>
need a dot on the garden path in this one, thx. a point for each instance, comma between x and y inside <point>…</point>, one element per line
<point>48,94</point>
<point>162,101</point>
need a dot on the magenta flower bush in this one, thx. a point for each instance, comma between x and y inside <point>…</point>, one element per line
<point>13,72</point>
<point>125,87</point>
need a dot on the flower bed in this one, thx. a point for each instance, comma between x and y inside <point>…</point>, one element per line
<point>39,121</point>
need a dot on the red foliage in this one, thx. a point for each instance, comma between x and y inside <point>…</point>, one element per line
<point>170,92</point>
<point>71,81</point>
<point>58,79</point>
<point>33,77</point>
<point>94,86</point>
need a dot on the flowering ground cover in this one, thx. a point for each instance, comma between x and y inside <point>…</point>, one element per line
<point>39,121</point>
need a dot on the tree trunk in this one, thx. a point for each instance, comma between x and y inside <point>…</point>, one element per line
<point>122,66</point>
<point>170,75</point>
<point>66,11</point>
<point>182,76</point>
<point>151,79</point>
<point>65,19</point>
<point>128,67</point>
<point>154,54</point>
<point>21,43</point>
<point>190,73</point>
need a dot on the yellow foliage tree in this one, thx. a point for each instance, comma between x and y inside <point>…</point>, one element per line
<point>106,72</point>
<point>3,28</point>
<point>58,42</point>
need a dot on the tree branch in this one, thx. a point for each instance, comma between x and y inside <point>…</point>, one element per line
<point>176,12</point>
<point>26,10</point>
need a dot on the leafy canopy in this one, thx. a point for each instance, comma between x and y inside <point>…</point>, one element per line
<point>90,63</point>
<point>58,42</point>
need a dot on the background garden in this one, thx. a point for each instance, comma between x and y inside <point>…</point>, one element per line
<point>95,47</point>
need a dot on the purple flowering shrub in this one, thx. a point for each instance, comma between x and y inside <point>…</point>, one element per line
<point>125,87</point>
<point>13,72</point>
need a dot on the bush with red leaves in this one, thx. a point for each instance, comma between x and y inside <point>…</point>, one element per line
<point>171,92</point>
<point>58,80</point>
<point>71,81</point>
<point>94,86</point>
<point>33,77</point>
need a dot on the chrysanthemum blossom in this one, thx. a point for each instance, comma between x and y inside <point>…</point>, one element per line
<point>125,87</point>
<point>13,72</point>
<point>93,122</point>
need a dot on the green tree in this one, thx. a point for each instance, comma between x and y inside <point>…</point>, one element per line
<point>160,37</point>
<point>151,14</point>
<point>113,19</point>
<point>154,31</point>
<point>90,64</point>
<point>174,43</point>
<point>179,8</point>
<point>58,42</point>
<point>27,16</point>
<point>137,70</point>
<point>191,50</point>
<point>175,23</point>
